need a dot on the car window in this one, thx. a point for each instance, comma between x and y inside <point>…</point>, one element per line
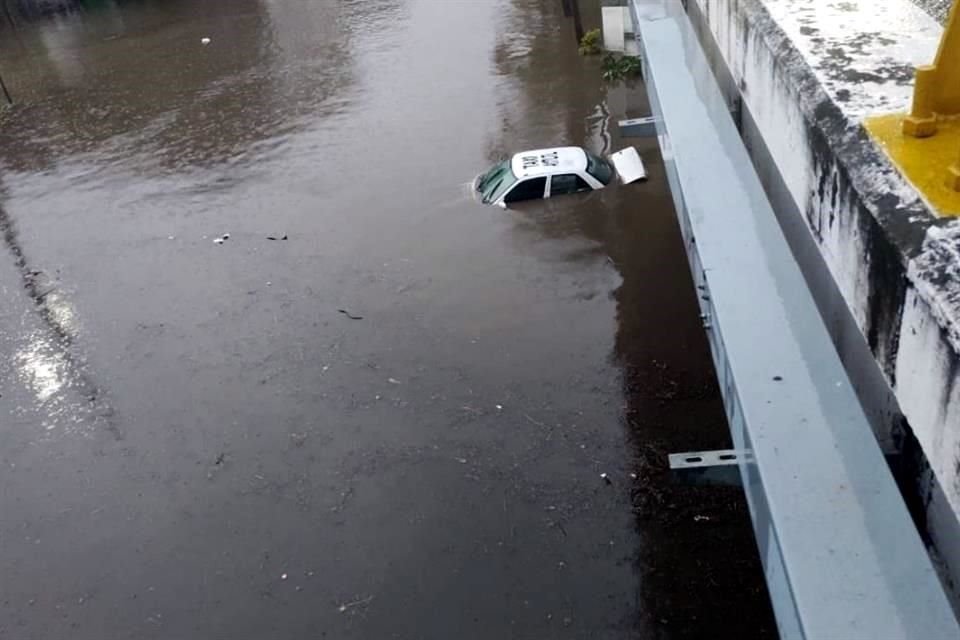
<point>492,184</point>
<point>568,183</point>
<point>599,168</point>
<point>527,190</point>
<point>493,192</point>
<point>495,172</point>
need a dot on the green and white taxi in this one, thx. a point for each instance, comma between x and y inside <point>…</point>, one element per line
<point>543,173</point>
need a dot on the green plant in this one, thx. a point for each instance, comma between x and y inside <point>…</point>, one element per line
<point>590,44</point>
<point>620,67</point>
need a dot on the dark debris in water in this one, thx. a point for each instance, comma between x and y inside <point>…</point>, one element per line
<point>350,315</point>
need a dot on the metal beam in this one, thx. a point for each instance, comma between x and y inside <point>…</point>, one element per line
<point>841,556</point>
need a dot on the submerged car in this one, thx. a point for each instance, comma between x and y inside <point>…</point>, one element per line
<point>542,173</point>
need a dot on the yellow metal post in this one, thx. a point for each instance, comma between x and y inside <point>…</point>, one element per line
<point>936,92</point>
<point>922,121</point>
<point>925,143</point>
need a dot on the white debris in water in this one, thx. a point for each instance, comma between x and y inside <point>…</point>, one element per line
<point>356,603</point>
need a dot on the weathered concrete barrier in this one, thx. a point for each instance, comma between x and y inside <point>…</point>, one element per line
<point>883,266</point>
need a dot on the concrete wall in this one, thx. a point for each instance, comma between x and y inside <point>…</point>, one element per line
<point>883,268</point>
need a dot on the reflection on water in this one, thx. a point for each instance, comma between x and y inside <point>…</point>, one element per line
<point>65,398</point>
<point>60,311</point>
<point>107,82</point>
<point>99,88</point>
<point>43,364</point>
<point>64,401</point>
<point>41,368</point>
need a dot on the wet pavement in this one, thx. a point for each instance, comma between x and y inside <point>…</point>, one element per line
<point>390,424</point>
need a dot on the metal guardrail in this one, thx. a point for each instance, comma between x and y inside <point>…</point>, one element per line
<point>841,555</point>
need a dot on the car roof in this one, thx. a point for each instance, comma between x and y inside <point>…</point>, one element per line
<point>546,162</point>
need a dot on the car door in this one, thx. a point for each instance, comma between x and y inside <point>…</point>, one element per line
<point>567,183</point>
<point>529,189</point>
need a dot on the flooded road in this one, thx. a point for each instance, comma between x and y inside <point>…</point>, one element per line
<point>391,423</point>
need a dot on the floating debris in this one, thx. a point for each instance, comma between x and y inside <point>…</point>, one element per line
<point>532,421</point>
<point>350,315</point>
<point>356,603</point>
<point>298,439</point>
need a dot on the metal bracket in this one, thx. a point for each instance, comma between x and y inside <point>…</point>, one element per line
<point>646,127</point>
<point>639,127</point>
<point>711,468</point>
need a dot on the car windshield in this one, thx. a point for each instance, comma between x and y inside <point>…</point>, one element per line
<point>599,168</point>
<point>494,182</point>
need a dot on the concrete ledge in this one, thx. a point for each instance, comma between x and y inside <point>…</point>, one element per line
<point>885,270</point>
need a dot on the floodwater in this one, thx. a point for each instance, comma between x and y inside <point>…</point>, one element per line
<point>391,420</point>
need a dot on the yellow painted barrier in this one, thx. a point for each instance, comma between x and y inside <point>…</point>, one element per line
<point>922,160</point>
<point>925,143</point>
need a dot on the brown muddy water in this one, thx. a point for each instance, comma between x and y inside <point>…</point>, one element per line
<point>196,442</point>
